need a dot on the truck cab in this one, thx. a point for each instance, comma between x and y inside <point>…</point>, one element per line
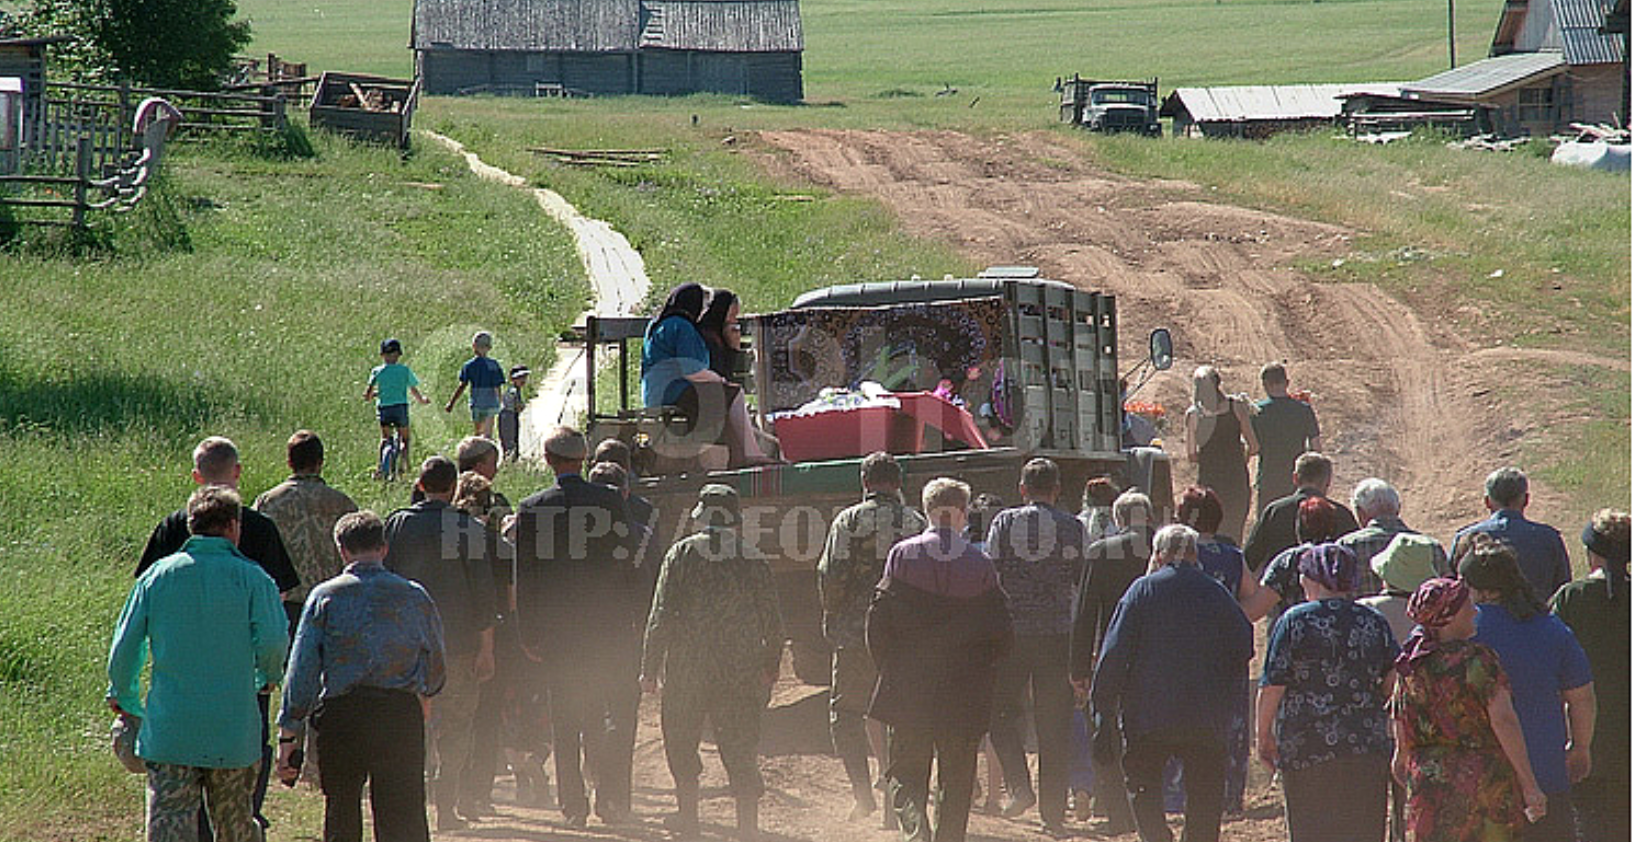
<point>1111,106</point>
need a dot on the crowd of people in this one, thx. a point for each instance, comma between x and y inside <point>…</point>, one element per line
<point>1408,690</point>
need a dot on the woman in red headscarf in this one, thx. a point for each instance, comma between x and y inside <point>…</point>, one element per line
<point>1458,745</point>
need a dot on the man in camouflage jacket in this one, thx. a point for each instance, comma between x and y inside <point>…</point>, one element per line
<point>850,567</point>
<point>714,629</point>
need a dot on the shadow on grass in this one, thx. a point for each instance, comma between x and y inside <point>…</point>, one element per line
<point>98,402</point>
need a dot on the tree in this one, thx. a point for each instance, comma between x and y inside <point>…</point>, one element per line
<point>186,44</point>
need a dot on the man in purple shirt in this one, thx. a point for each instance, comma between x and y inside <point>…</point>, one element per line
<point>937,628</point>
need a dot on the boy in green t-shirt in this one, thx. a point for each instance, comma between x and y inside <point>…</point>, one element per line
<point>392,384</point>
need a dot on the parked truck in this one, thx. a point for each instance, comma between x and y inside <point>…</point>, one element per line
<point>961,377</point>
<point>1110,106</point>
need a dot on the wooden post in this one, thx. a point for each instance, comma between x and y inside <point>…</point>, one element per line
<point>592,370</point>
<point>622,378</point>
<point>82,174</point>
<point>122,125</point>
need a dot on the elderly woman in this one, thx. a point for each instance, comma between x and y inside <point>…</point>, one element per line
<point>1458,745</point>
<point>1219,438</point>
<point>1548,674</point>
<point>1409,561</point>
<point>1321,717</point>
<point>1596,608</point>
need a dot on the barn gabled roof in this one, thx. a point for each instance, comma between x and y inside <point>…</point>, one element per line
<point>1576,28</point>
<point>607,25</point>
<point>723,25</point>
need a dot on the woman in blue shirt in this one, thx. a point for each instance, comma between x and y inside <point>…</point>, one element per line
<point>1549,676</point>
<point>676,371</point>
<point>1321,717</point>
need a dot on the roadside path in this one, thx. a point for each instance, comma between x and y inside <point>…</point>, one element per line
<point>619,284</point>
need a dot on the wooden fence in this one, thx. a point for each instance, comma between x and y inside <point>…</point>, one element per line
<point>82,192</point>
<point>103,113</point>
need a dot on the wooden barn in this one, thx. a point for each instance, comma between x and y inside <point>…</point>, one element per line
<point>610,47</point>
<point>1553,63</point>
<point>1259,111</point>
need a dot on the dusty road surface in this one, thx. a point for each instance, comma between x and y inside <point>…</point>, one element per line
<point>1400,394</point>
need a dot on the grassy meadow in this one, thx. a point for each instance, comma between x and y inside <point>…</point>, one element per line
<point>247,297</point>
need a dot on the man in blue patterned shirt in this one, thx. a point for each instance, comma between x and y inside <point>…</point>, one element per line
<point>369,651</point>
<point>1038,550</point>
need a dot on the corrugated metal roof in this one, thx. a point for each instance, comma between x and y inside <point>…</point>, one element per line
<point>1267,102</point>
<point>1580,22</point>
<point>526,25</point>
<point>1488,74</point>
<point>608,25</point>
<point>723,25</point>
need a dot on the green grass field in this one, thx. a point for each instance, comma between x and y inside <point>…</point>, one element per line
<point>247,299</point>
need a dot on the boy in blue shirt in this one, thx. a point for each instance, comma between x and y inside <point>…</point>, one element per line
<point>392,384</point>
<point>486,378</point>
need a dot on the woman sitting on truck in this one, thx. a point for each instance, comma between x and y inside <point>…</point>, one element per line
<point>719,326</point>
<point>676,371</point>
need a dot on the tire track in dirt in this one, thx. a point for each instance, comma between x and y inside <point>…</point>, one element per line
<point>1400,396</point>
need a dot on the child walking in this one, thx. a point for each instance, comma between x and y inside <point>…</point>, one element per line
<point>512,404</point>
<point>484,376</point>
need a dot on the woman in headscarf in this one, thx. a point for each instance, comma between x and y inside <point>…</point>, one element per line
<point>719,326</point>
<point>677,371</point>
<point>1458,745</point>
<point>1549,677</point>
<point>1321,717</point>
<point>1596,608</point>
<point>1219,438</point>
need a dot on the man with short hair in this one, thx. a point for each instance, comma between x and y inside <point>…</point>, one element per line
<point>1286,427</point>
<point>851,565</point>
<point>305,510</point>
<point>578,615</point>
<point>451,555</point>
<point>1539,549</point>
<point>210,658</point>
<point>1378,508</point>
<point>216,463</point>
<point>1277,526</point>
<point>937,629</point>
<point>368,651</point>
<point>620,453</point>
<point>1038,550</point>
<point>1113,564</point>
<point>1175,655</point>
<point>714,635</point>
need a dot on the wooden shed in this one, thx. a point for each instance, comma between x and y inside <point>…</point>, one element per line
<point>1259,111</point>
<point>25,58</point>
<point>610,47</point>
<point>1588,84</point>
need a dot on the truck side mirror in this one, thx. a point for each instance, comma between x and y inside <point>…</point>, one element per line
<point>1161,349</point>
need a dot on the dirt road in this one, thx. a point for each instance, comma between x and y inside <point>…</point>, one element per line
<point>1400,393</point>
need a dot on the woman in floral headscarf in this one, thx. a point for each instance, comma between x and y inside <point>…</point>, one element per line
<point>1458,745</point>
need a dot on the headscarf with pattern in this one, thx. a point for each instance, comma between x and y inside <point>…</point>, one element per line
<point>1332,564</point>
<point>1434,605</point>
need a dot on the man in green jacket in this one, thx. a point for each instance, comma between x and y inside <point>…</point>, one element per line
<point>213,623</point>
<point>714,628</point>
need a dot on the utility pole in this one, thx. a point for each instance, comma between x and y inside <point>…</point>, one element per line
<point>1451,33</point>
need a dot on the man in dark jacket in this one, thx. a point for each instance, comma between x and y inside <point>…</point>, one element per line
<point>578,614</point>
<point>1113,564</point>
<point>937,629</point>
<point>1175,655</point>
<point>1277,526</point>
<point>1038,550</point>
<point>452,556</point>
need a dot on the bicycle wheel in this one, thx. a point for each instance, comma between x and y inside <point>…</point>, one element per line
<point>387,461</point>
